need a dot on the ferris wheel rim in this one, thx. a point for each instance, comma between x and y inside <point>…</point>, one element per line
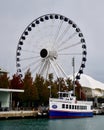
<point>42,19</point>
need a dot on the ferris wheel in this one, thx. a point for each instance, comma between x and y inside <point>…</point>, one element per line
<point>48,45</point>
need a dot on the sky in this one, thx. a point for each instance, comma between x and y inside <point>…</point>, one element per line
<point>15,16</point>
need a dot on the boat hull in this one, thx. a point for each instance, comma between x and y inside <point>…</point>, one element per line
<point>66,115</point>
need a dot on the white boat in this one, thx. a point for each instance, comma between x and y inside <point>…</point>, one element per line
<point>66,106</point>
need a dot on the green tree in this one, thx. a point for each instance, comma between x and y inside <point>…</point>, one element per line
<point>69,84</point>
<point>28,95</point>
<point>39,83</point>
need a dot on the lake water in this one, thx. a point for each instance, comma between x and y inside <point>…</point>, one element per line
<point>95,123</point>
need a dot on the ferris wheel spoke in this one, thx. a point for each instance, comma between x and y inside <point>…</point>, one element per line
<point>61,69</point>
<point>67,47</point>
<point>51,31</point>
<point>57,32</point>
<point>41,67</point>
<point>31,64</point>
<point>36,68</point>
<point>63,34</point>
<point>44,67</point>
<point>47,71</point>
<point>54,68</point>
<point>29,58</point>
<point>58,69</point>
<point>66,41</point>
<point>64,54</point>
<point>28,51</point>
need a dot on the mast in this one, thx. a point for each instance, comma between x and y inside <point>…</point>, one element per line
<point>73,65</point>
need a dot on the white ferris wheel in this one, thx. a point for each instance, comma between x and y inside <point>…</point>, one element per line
<point>48,44</point>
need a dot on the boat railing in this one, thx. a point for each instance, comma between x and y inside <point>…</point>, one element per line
<point>67,100</point>
<point>61,100</point>
<point>85,102</point>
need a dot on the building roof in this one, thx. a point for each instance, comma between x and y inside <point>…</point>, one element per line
<point>97,87</point>
<point>10,90</point>
<point>87,81</point>
<point>3,70</point>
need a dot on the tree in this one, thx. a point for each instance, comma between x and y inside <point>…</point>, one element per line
<point>39,83</point>
<point>69,84</point>
<point>27,86</point>
<point>16,82</point>
<point>78,91</point>
<point>4,81</point>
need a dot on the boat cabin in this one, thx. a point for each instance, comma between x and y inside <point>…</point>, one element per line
<point>67,96</point>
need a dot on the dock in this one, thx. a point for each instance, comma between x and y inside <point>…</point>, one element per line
<point>18,114</point>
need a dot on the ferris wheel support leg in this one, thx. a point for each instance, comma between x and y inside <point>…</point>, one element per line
<point>61,69</point>
<point>43,68</point>
<point>51,62</point>
<point>47,71</point>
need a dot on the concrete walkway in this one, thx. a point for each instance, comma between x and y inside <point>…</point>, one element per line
<point>18,114</point>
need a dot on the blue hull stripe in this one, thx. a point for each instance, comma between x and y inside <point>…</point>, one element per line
<point>61,114</point>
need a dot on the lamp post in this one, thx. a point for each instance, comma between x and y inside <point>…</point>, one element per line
<point>50,90</point>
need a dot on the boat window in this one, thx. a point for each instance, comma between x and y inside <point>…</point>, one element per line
<point>75,107</point>
<point>69,106</point>
<point>65,95</point>
<point>72,106</point>
<point>86,107</point>
<point>71,98</point>
<point>80,107</point>
<point>66,106</point>
<point>63,105</point>
<point>83,107</point>
<point>91,107</point>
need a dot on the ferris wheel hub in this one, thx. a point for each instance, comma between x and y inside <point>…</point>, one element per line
<point>45,53</point>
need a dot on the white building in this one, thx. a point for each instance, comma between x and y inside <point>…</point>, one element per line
<point>2,71</point>
<point>6,94</point>
<point>91,87</point>
<point>6,98</point>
